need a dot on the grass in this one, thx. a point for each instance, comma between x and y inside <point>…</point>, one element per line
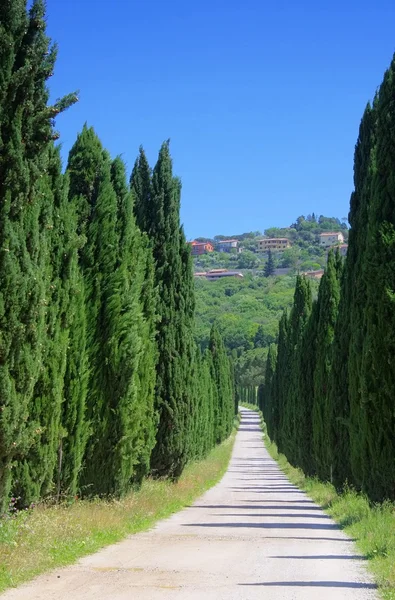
<point>35,541</point>
<point>371,525</point>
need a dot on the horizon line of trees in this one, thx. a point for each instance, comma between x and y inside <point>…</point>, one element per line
<point>101,381</point>
<point>329,392</point>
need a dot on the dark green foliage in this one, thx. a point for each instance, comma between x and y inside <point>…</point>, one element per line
<point>120,340</point>
<point>224,399</point>
<point>377,418</point>
<point>157,212</point>
<point>26,133</point>
<point>304,392</point>
<point>322,415</point>
<point>345,382</point>
<point>280,382</point>
<point>34,474</point>
<point>266,399</point>
<point>98,363</point>
<point>298,319</point>
<point>269,266</point>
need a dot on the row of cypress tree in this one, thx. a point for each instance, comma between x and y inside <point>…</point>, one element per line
<point>101,381</point>
<point>329,392</point>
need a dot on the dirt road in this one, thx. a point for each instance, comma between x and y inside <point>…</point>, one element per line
<point>252,536</point>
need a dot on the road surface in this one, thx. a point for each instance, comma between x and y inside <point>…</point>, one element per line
<point>254,535</point>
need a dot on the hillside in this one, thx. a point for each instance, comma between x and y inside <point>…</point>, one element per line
<point>305,253</point>
<point>247,312</point>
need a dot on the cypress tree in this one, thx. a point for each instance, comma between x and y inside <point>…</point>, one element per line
<point>74,425</point>
<point>265,395</point>
<point>377,416</point>
<point>35,472</point>
<point>298,319</point>
<point>305,392</point>
<point>120,346</point>
<point>157,213</point>
<point>133,338</point>
<point>221,375</point>
<point>26,132</point>
<point>269,266</point>
<point>345,381</point>
<point>280,385</point>
<point>328,302</point>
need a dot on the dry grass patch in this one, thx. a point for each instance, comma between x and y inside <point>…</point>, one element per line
<point>35,541</point>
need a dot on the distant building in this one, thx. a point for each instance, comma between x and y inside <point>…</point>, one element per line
<point>215,274</point>
<point>227,245</point>
<point>330,238</point>
<point>343,249</point>
<point>273,244</point>
<point>314,274</point>
<point>198,248</point>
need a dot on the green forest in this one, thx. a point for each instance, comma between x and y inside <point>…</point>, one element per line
<point>101,379</point>
<point>329,389</point>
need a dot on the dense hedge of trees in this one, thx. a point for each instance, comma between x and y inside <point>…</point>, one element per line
<point>329,403</point>
<point>101,381</point>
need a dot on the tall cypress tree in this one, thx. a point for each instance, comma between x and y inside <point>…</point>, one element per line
<point>377,419</point>
<point>298,319</point>
<point>305,392</point>
<point>345,381</point>
<point>120,344</point>
<point>269,266</point>
<point>265,395</point>
<point>279,389</point>
<point>328,303</point>
<point>157,213</point>
<point>132,341</point>
<point>221,375</point>
<point>35,472</point>
<point>26,132</point>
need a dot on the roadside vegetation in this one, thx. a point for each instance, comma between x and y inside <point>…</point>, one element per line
<point>35,541</point>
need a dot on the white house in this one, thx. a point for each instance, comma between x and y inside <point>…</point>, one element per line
<point>227,245</point>
<point>331,238</point>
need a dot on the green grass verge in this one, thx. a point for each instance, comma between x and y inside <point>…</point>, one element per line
<point>371,525</point>
<point>35,541</point>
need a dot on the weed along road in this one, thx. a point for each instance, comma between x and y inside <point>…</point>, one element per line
<point>254,535</point>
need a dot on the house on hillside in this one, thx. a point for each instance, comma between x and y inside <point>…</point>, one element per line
<point>227,245</point>
<point>331,238</point>
<point>266,244</point>
<point>198,248</point>
<point>215,274</point>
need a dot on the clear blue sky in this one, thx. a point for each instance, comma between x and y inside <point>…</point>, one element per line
<point>261,100</point>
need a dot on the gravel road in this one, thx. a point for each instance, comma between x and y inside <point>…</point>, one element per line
<point>254,535</point>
